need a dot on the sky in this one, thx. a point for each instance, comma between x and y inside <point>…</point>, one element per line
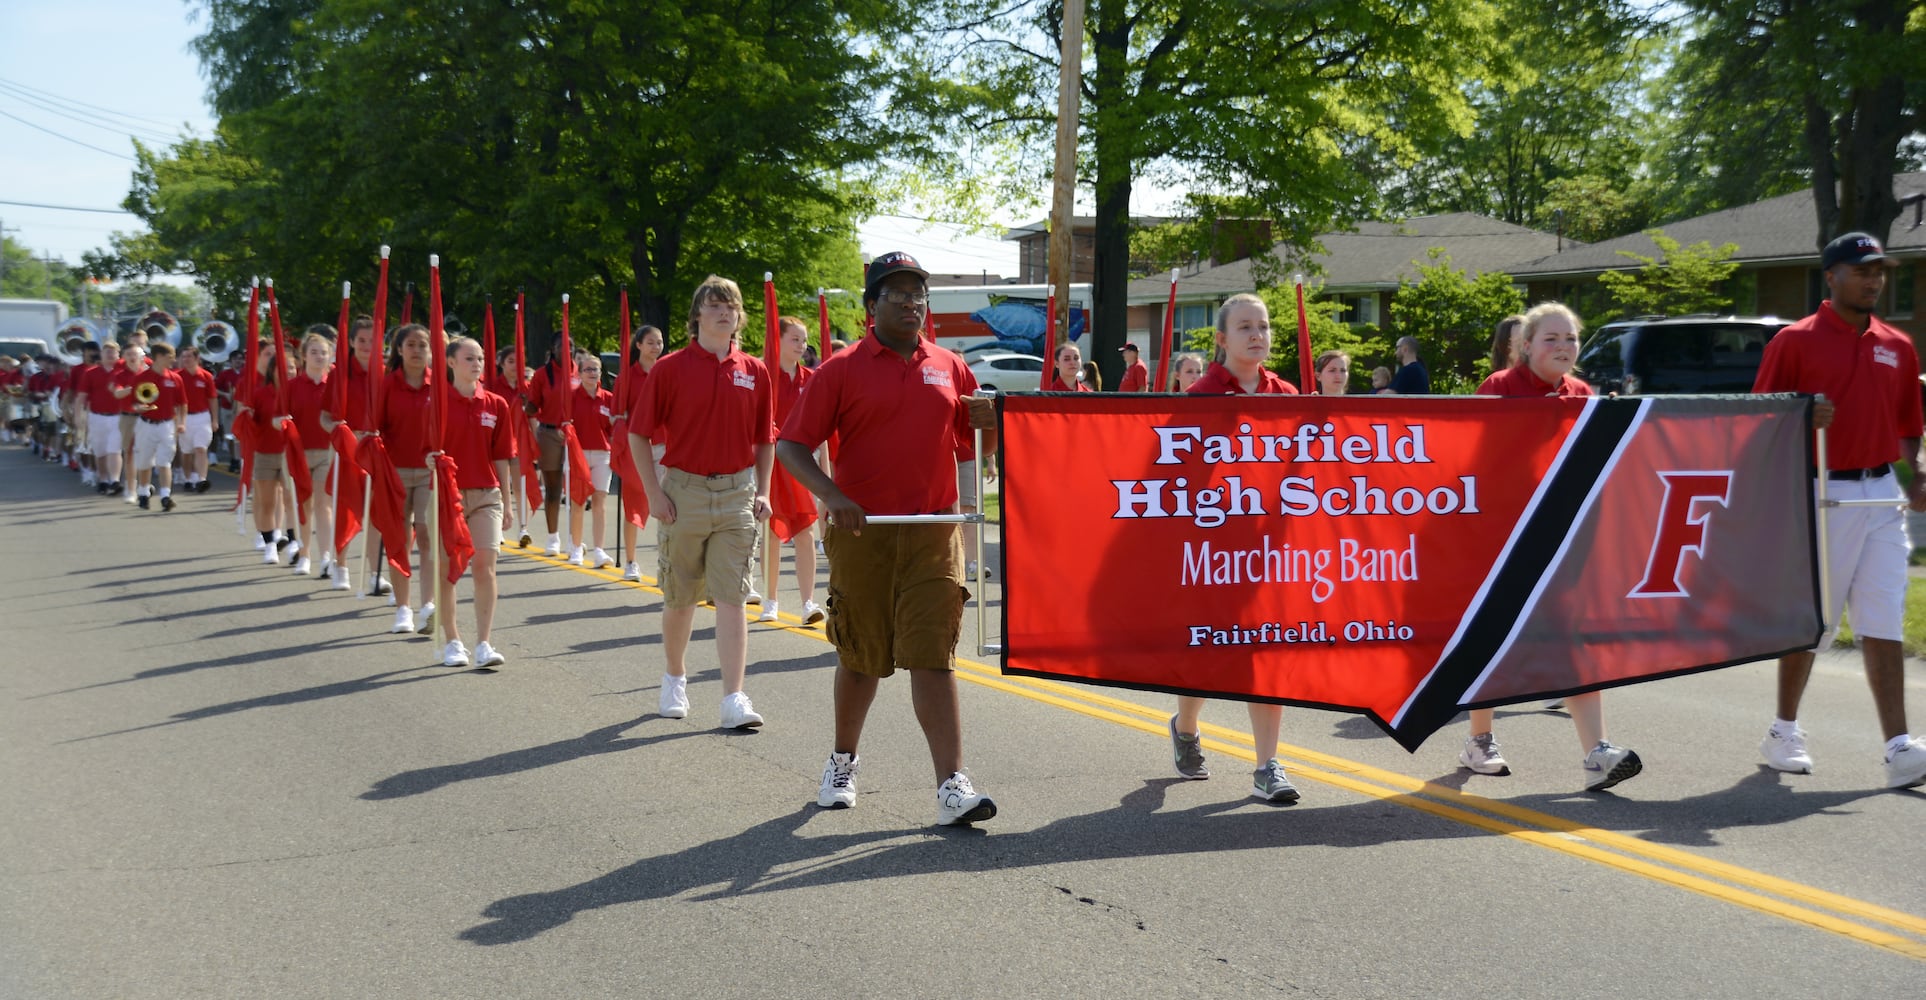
<point>136,75</point>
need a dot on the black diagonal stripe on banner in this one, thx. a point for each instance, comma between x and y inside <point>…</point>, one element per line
<point>1436,702</point>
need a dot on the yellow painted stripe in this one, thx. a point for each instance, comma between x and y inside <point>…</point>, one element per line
<point>1628,854</point>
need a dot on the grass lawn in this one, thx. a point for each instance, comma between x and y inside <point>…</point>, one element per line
<point>993,507</point>
<point>1913,624</point>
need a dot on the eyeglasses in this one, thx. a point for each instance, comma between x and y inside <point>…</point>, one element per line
<point>900,297</point>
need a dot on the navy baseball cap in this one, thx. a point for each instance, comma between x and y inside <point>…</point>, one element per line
<point>894,262</point>
<point>1853,248</point>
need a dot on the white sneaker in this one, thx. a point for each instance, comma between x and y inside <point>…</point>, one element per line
<point>674,702</point>
<point>303,567</point>
<point>738,713</point>
<point>271,556</point>
<point>598,558</point>
<point>404,621</point>
<point>341,578</point>
<point>633,573</point>
<point>259,543</point>
<point>327,569</point>
<point>1481,755</point>
<point>1786,751</point>
<point>1906,766</point>
<point>454,654</point>
<point>770,612</point>
<point>554,547</point>
<point>1607,765</point>
<point>752,597</point>
<point>575,555</point>
<point>1555,705</point>
<point>427,619</point>
<point>294,549</point>
<point>812,612</point>
<point>525,541</point>
<point>486,656</point>
<point>839,781</point>
<point>969,571</point>
<point>958,802</point>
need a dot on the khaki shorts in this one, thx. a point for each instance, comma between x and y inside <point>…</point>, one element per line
<point>895,596</point>
<point>269,465</point>
<point>414,489</point>
<point>711,547</point>
<point>483,511</point>
<point>318,461</point>
<point>549,446</point>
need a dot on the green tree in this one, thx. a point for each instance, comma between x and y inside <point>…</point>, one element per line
<point>1680,280</point>
<point>1280,104</point>
<point>1452,314</point>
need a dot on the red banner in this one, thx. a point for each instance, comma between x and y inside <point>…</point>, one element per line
<point>1402,558</point>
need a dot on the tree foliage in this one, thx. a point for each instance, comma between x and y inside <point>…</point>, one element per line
<point>1452,314</point>
<point>1681,280</point>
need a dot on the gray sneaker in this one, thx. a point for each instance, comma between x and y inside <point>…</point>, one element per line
<point>1607,765</point>
<point>1481,755</point>
<point>1188,753</point>
<point>1270,784</point>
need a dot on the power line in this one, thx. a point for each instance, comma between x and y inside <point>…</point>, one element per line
<point>85,118</point>
<point>83,104</point>
<point>66,208</point>
<point>69,138</point>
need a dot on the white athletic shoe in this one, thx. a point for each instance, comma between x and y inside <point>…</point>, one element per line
<point>738,713</point>
<point>1906,766</point>
<point>674,701</point>
<point>303,566</point>
<point>259,543</point>
<point>271,556</point>
<point>752,598</point>
<point>341,579</point>
<point>633,573</point>
<point>958,802</point>
<point>1786,751</point>
<point>839,781</point>
<point>487,657</point>
<point>770,612</point>
<point>454,654</point>
<point>404,621</point>
<point>812,612</point>
<point>1607,765</point>
<point>575,556</point>
<point>554,547</point>
<point>1481,755</point>
<point>427,619</point>
<point>598,559</point>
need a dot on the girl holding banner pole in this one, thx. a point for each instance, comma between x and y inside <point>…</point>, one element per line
<point>1544,369</point>
<point>404,427</point>
<point>352,401</point>
<point>1243,346</point>
<point>479,436</point>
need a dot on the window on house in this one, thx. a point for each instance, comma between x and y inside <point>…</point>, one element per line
<point>1901,290</point>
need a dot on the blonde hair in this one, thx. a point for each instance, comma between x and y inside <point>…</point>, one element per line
<point>1536,316</point>
<point>1223,319</point>
<point>714,288</point>
<point>1177,366</point>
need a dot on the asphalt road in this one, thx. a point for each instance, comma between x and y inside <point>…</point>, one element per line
<point>221,781</point>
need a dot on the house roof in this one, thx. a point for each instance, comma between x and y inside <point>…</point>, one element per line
<point>1771,231</point>
<point>1375,255</point>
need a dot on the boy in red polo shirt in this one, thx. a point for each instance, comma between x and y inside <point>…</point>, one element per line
<point>198,433</point>
<point>904,411</point>
<point>160,412</point>
<point>103,419</point>
<point>1866,375</point>
<point>226,383</point>
<point>716,407</point>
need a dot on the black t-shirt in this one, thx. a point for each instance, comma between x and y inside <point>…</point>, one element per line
<point>1411,380</point>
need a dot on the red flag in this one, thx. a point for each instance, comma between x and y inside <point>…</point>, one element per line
<point>243,434</point>
<point>1163,356</point>
<point>408,304</point>
<point>771,345</point>
<point>488,334</point>
<point>378,360</point>
<point>580,489</point>
<point>1050,330</point>
<point>388,502</point>
<point>568,355</point>
<point>524,434</point>
<point>822,326</point>
<point>350,484</point>
<point>628,344</point>
<point>342,355</point>
<point>456,542</point>
<point>279,370</point>
<point>297,464</point>
<point>437,358</point>
<point>1308,378</point>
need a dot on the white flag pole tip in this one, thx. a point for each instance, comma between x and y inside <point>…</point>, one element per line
<point>384,251</point>
<point>434,260</point>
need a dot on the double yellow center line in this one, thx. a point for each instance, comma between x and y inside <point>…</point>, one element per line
<point>1882,927</point>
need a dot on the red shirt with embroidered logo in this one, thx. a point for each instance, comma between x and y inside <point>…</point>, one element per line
<point>1217,380</point>
<point>478,435</point>
<point>1521,382</point>
<point>1871,378</point>
<point>712,411</point>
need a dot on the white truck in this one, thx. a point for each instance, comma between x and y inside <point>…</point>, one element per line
<point>27,326</point>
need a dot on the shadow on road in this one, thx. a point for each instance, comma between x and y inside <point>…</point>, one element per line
<point>607,739</point>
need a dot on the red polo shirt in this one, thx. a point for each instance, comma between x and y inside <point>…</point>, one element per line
<point>1217,380</point>
<point>306,399</point>
<point>1519,381</point>
<point>268,436</point>
<point>172,394</point>
<point>1136,378</point>
<point>1872,379</point>
<point>789,389</point>
<point>123,378</point>
<point>494,382</point>
<point>711,412</point>
<point>225,383</point>
<point>594,417</point>
<point>1054,383</point>
<point>903,424</point>
<point>549,398</point>
<point>404,421</point>
<point>199,385</point>
<point>478,435</point>
<point>41,383</point>
<point>357,418</point>
<point>98,385</point>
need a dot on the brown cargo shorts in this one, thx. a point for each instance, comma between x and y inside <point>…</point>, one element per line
<point>896,596</point>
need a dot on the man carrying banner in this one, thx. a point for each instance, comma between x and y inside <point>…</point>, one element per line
<point>1866,374</point>
<point>1243,346</point>
<point>716,407</point>
<point>903,409</point>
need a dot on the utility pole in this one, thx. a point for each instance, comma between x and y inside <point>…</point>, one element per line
<point>3,255</point>
<point>1063,199</point>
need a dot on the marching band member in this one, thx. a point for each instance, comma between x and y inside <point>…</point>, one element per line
<point>792,515</point>
<point>643,355</point>
<point>904,411</point>
<point>12,389</point>
<point>198,434</point>
<point>547,401</point>
<point>267,490</point>
<point>160,408</point>
<point>307,396</point>
<point>77,416</point>
<point>1243,346</point>
<point>226,384</point>
<point>480,439</point>
<point>404,428</point>
<point>361,349</point>
<point>1544,369</point>
<point>593,413</point>
<point>1067,374</point>
<point>103,419</point>
<point>133,361</point>
<point>504,381</point>
<point>716,409</point>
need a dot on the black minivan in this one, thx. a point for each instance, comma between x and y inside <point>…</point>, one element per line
<point>1685,354</point>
